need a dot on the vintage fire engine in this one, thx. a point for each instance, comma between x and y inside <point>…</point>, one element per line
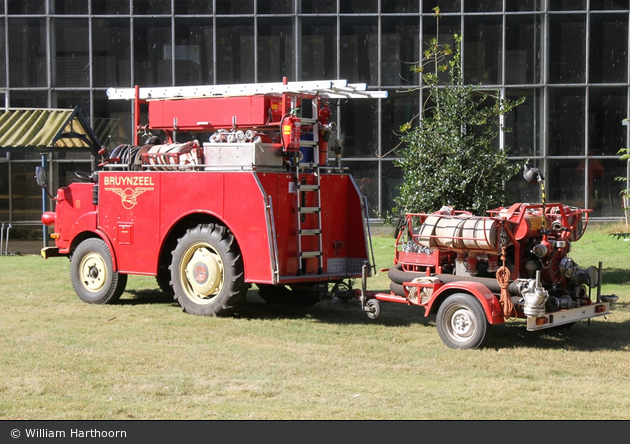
<point>473,272</point>
<point>257,203</point>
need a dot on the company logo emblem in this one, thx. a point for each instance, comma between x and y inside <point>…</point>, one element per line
<point>129,195</point>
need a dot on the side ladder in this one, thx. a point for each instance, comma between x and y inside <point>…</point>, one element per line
<point>303,190</point>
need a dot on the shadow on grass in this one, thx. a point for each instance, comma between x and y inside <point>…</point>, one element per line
<point>597,335</point>
<point>618,276</point>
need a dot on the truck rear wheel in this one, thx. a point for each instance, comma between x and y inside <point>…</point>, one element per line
<point>461,322</point>
<point>92,273</point>
<point>207,271</point>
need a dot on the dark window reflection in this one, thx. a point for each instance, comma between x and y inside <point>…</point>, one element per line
<point>151,7</point>
<point>275,6</point>
<point>354,6</point>
<point>603,189</point>
<point>392,178</point>
<point>72,99</point>
<point>483,6</point>
<point>26,6</point>
<point>28,99</point>
<point>523,49</point>
<point>72,61</point>
<point>27,195</point>
<point>319,6</point>
<point>399,50</point>
<point>112,123</point>
<point>564,183</point>
<point>3,65</point>
<point>608,5</point>
<point>27,52</point>
<point>607,108</point>
<point>359,127</point>
<point>359,50</point>
<point>482,50</point>
<point>276,52</point>
<point>609,48</point>
<point>107,7</point>
<point>445,6</point>
<point>523,5</point>
<point>567,5</point>
<point>152,45</point>
<point>400,108</point>
<point>566,121</point>
<point>365,175</point>
<point>319,48</point>
<point>111,52</point>
<point>235,6</point>
<point>448,27</point>
<point>193,51</point>
<point>567,48</point>
<point>402,6</point>
<point>235,51</point>
<point>524,123</point>
<point>70,7</point>
<point>193,7</point>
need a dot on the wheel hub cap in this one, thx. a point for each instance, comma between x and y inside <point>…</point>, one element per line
<point>204,273</point>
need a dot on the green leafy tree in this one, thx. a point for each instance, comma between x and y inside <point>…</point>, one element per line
<point>450,156</point>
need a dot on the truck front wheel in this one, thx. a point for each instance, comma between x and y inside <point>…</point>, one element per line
<point>461,322</point>
<point>92,273</point>
<point>207,271</point>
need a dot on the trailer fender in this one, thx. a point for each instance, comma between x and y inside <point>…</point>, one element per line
<point>489,302</point>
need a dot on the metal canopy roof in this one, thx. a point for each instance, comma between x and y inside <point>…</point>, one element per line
<point>43,130</point>
<point>334,89</point>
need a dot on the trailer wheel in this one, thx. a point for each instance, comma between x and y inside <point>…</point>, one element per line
<point>207,271</point>
<point>461,322</point>
<point>373,308</point>
<point>92,273</point>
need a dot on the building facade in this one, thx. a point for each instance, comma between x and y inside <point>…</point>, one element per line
<point>568,58</point>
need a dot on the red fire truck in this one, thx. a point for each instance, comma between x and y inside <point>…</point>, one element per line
<point>255,203</point>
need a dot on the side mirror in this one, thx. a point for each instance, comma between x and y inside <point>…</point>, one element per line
<point>41,177</point>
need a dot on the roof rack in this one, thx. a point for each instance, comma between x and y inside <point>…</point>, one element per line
<point>334,89</point>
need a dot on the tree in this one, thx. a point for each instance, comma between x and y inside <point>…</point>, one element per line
<point>450,156</point>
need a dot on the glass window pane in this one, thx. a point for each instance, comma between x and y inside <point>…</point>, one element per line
<point>445,6</point>
<point>567,52</point>
<point>399,108</point>
<point>603,189</point>
<point>111,52</point>
<point>523,5</point>
<point>523,49</point>
<point>563,183</point>
<point>566,121</point>
<point>28,99</point>
<point>3,58</point>
<point>112,122</point>
<point>151,7</point>
<point>27,52</point>
<point>399,50</point>
<point>70,7</point>
<point>152,44</point>
<point>110,7</point>
<point>4,190</point>
<point>402,6</point>
<point>359,50</point>
<point>235,6</point>
<point>524,122</point>
<point>365,175</point>
<point>608,5</point>
<point>72,99</point>
<point>193,7</point>
<point>567,5</point>
<point>72,62</point>
<point>391,180</point>
<point>193,51</point>
<point>521,191</point>
<point>483,6</point>
<point>27,195</point>
<point>607,106</point>
<point>275,6</point>
<point>235,51</point>
<point>609,48</point>
<point>276,52</point>
<point>359,128</point>
<point>319,6</point>
<point>319,48</point>
<point>354,6</point>
<point>482,50</point>
<point>29,7</point>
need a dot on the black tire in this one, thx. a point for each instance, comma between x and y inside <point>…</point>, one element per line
<point>92,273</point>
<point>163,280</point>
<point>461,322</point>
<point>207,271</point>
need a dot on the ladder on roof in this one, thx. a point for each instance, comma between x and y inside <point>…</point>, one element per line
<point>334,89</point>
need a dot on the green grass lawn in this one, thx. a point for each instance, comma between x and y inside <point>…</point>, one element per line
<point>144,359</point>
